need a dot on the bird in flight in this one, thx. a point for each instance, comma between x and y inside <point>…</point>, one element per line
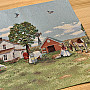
<point>50,12</point>
<point>16,15</point>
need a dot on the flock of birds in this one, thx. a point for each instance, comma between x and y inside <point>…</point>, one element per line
<point>17,14</point>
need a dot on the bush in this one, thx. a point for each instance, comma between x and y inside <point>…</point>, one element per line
<point>48,56</point>
<point>1,61</point>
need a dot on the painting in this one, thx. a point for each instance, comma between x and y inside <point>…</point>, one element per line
<point>43,46</point>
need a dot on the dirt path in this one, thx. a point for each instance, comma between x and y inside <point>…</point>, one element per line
<point>79,87</point>
<point>88,53</point>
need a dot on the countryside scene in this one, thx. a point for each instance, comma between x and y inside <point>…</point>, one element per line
<point>43,47</point>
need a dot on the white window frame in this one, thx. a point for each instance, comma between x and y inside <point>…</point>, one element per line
<point>5,57</point>
<point>4,46</point>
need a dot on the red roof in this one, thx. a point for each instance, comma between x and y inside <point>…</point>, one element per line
<point>6,50</point>
<point>19,49</point>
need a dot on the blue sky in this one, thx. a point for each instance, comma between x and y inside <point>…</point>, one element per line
<point>62,24</point>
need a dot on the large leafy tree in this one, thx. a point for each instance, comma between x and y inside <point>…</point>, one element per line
<point>23,33</point>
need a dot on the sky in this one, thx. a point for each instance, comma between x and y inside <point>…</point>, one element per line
<point>62,24</point>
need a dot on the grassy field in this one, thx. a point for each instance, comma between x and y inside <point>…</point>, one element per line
<point>47,74</point>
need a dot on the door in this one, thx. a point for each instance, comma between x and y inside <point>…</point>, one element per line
<point>51,48</point>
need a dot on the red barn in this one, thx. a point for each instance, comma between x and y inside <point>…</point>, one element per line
<point>50,45</point>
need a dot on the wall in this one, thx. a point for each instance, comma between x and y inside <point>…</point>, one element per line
<point>52,42</point>
<point>9,56</point>
<point>18,46</point>
<point>19,54</point>
<point>8,45</point>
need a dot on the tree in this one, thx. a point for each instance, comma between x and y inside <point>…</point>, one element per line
<point>23,33</point>
<point>39,41</point>
<point>82,28</point>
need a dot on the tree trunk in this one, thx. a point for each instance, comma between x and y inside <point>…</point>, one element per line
<point>27,49</point>
<point>39,41</point>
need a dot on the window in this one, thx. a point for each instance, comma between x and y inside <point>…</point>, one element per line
<point>44,48</point>
<point>4,46</point>
<point>45,51</point>
<point>48,41</point>
<point>5,57</point>
<point>13,55</point>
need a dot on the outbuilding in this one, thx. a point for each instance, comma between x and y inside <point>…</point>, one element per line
<point>50,45</point>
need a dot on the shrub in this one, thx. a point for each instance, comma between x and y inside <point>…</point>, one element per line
<point>1,61</point>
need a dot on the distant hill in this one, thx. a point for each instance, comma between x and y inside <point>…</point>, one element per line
<point>74,38</point>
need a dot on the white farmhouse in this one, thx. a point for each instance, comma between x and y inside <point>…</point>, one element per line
<point>10,51</point>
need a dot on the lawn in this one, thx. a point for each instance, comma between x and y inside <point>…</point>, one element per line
<point>47,74</point>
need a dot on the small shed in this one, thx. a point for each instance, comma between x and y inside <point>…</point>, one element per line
<point>50,45</point>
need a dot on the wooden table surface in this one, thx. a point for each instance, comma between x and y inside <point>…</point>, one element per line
<point>82,10</point>
<point>8,4</point>
<point>79,87</point>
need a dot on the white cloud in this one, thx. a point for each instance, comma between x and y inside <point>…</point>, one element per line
<point>5,29</point>
<point>62,22</point>
<point>48,31</point>
<point>5,35</point>
<point>67,26</point>
<point>62,34</point>
<point>58,35</point>
<point>67,31</point>
<point>76,33</point>
<point>74,22</point>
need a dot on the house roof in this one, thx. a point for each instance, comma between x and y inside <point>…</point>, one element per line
<point>51,39</point>
<point>19,49</point>
<point>8,41</point>
<point>6,50</point>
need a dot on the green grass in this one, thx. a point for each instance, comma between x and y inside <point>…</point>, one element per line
<point>46,74</point>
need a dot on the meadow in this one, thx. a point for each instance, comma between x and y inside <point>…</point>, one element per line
<point>47,74</point>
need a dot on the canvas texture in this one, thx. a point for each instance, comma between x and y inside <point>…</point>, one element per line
<point>43,46</point>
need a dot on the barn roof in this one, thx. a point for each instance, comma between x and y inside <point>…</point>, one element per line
<point>55,39</point>
<point>51,39</point>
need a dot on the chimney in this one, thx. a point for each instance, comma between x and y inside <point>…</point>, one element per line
<point>0,39</point>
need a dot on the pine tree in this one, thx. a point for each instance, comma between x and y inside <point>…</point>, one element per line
<point>82,28</point>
